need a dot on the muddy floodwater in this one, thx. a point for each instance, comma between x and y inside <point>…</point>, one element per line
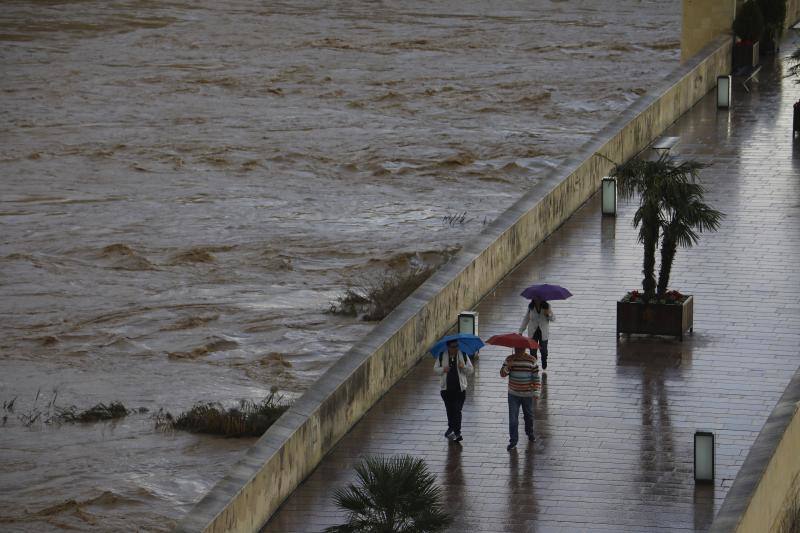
<point>186,186</point>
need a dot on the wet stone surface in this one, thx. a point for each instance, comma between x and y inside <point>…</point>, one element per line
<point>616,420</point>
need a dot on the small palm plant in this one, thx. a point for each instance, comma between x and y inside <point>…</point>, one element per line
<point>393,495</point>
<point>774,13</point>
<point>749,22</point>
<point>794,65</point>
<point>671,209</point>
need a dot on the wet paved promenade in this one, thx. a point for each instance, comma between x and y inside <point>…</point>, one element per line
<point>615,423</point>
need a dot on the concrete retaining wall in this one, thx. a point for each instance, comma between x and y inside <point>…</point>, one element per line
<point>766,481</point>
<point>288,452</point>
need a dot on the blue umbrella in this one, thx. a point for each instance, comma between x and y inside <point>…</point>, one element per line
<point>545,291</point>
<point>467,343</point>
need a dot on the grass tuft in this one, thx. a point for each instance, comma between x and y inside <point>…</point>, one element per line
<point>50,413</point>
<point>378,298</point>
<point>97,413</point>
<point>350,303</point>
<point>248,419</point>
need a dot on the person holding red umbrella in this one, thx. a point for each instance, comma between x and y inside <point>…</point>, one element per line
<point>524,383</point>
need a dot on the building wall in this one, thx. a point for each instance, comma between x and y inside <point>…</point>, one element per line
<point>288,452</point>
<point>703,21</point>
<point>792,12</point>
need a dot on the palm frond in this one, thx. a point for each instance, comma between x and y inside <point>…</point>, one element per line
<point>670,210</point>
<point>396,494</point>
<point>794,65</point>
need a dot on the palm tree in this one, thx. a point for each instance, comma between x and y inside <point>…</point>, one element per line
<point>657,183</point>
<point>686,215</point>
<point>774,12</point>
<point>393,495</point>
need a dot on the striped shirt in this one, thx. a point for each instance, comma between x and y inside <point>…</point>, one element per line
<point>523,375</point>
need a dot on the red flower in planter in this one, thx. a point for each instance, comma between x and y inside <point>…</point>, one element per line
<point>634,296</point>
<point>673,296</point>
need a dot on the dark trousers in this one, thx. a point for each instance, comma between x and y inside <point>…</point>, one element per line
<point>453,402</point>
<point>537,336</point>
<point>543,349</point>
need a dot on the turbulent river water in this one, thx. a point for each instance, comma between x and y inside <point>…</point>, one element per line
<point>186,186</point>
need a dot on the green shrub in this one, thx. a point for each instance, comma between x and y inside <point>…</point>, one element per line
<point>774,13</point>
<point>749,22</point>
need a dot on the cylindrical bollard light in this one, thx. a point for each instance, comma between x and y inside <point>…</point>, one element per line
<point>724,91</point>
<point>608,193</point>
<point>703,457</point>
<point>468,322</point>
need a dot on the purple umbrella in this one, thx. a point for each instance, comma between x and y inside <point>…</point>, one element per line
<point>545,291</point>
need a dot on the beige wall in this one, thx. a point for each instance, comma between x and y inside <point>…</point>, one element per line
<point>775,487</point>
<point>288,452</point>
<point>792,12</point>
<point>703,21</point>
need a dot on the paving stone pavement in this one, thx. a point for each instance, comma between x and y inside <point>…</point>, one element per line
<point>616,420</point>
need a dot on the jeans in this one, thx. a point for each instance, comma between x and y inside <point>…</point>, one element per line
<point>514,403</point>
<point>453,402</point>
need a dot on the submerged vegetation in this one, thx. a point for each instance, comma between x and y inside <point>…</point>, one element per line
<point>377,298</point>
<point>247,419</point>
<point>50,413</point>
<point>97,413</point>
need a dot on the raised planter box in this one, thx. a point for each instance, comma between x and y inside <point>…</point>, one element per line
<point>655,318</point>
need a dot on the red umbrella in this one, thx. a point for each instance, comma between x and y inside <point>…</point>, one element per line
<point>513,340</point>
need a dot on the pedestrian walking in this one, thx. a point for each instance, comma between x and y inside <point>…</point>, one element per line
<point>537,319</point>
<point>453,367</point>
<point>524,384</point>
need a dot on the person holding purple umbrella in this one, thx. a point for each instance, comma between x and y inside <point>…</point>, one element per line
<point>540,314</point>
<point>537,319</point>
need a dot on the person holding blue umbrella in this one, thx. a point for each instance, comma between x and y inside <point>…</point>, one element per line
<point>453,366</point>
